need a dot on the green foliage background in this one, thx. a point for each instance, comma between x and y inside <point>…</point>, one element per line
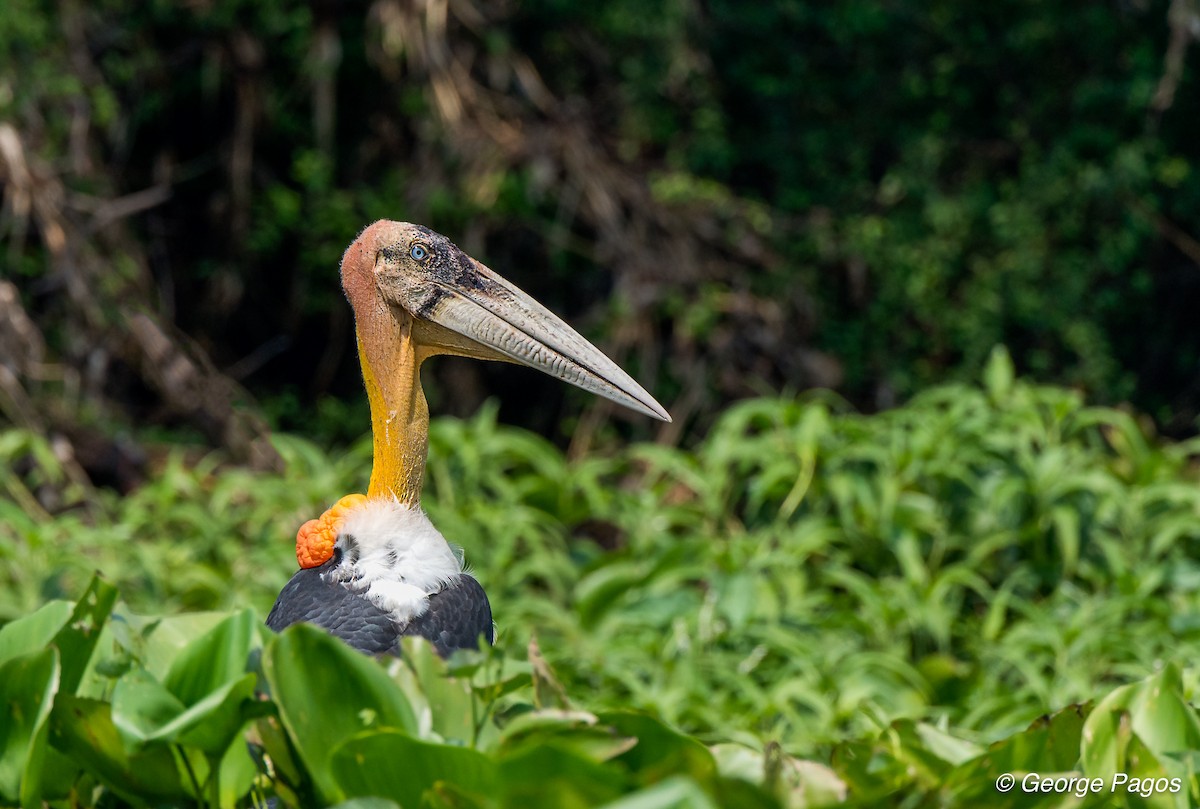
<point>878,560</point>
<point>892,602</point>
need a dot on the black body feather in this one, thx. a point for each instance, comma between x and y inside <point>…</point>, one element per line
<point>457,616</point>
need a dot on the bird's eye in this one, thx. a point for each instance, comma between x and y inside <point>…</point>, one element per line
<point>419,252</point>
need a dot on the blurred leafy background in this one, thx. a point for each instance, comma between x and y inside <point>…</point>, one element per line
<point>806,228</point>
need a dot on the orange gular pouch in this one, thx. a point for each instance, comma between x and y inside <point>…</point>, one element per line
<point>315,539</point>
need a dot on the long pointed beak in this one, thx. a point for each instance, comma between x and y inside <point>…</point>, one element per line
<point>496,315</point>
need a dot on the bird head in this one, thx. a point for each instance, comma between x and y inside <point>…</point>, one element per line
<point>452,304</point>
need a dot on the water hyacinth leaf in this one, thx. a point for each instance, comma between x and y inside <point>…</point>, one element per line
<point>660,750</point>
<point>446,704</point>
<point>83,728</point>
<point>739,761</point>
<point>676,792</point>
<point>577,731</point>
<point>145,711</point>
<point>926,753</point>
<point>213,723</point>
<point>745,795</point>
<point>356,767</point>
<point>1144,767</point>
<point>141,707</point>
<point>326,693</point>
<point>907,756</point>
<point>73,629</point>
<point>797,782</point>
<point>1050,744</point>
<point>33,632</point>
<point>76,641</point>
<point>548,776</point>
<point>213,659</point>
<point>157,640</point>
<point>492,691</point>
<point>28,684</point>
<point>947,747</point>
<point>870,770</point>
<point>368,803</point>
<point>291,780</point>
<point>1144,730</point>
<point>237,773</point>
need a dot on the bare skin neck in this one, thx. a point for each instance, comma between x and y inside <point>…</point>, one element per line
<point>391,366</point>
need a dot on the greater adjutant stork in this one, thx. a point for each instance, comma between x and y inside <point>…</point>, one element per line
<point>373,567</point>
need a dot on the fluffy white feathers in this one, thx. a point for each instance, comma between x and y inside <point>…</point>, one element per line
<point>391,553</point>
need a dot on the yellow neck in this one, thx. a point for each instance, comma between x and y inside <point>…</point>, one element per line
<point>391,365</point>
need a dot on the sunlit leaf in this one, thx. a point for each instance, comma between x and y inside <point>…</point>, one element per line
<point>28,684</point>
<point>326,692</point>
<point>671,793</point>
<point>356,766</point>
<point>83,728</point>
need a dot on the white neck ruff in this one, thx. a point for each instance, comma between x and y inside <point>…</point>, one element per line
<point>394,557</point>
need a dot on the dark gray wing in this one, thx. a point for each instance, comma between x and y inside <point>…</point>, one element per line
<point>338,609</point>
<point>457,616</point>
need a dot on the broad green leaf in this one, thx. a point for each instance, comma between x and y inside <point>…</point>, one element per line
<point>1143,730</point>
<point>142,706</point>
<point>237,773</point>
<point>548,776</point>
<point>798,783</point>
<point>213,659</point>
<point>660,750</point>
<point>356,766</point>
<point>492,691</point>
<point>326,693</point>
<point>577,731</point>
<point>28,684</point>
<point>870,770</point>
<point>83,729</point>
<point>215,722</point>
<point>945,746</point>
<point>291,779</point>
<point>144,711</point>
<point>745,795</point>
<point>1051,745</point>
<point>35,631</point>
<point>157,641</point>
<point>677,792</point>
<point>445,705</point>
<point>58,772</point>
<point>77,640</point>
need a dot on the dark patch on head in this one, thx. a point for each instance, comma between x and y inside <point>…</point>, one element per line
<point>436,294</point>
<point>393,557</point>
<point>468,276</point>
<point>393,252</point>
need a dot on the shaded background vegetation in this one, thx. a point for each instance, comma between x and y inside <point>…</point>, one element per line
<point>732,200</point>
